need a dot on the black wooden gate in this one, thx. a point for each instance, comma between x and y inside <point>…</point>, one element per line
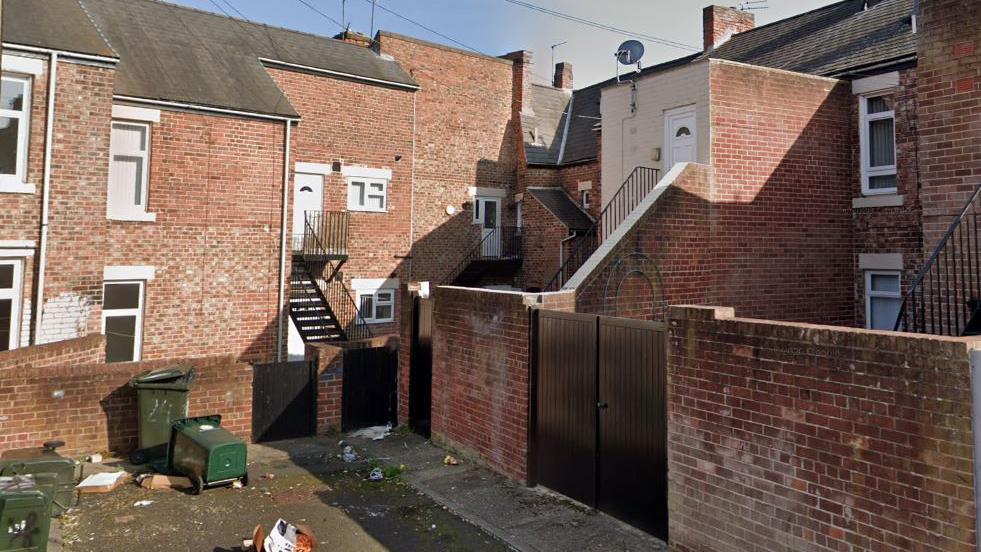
<point>599,414</point>
<point>284,401</point>
<point>421,366</point>
<point>370,390</point>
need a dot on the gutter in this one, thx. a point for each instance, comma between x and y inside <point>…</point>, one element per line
<point>337,74</point>
<point>205,108</point>
<point>61,53</point>
<point>282,244</point>
<point>46,196</point>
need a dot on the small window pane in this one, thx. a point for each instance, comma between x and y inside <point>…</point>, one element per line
<point>883,312</point>
<point>383,312</point>
<point>120,338</point>
<point>6,276</point>
<point>377,202</point>
<point>882,151</point>
<point>885,182</point>
<point>12,94</point>
<point>377,188</point>
<point>357,188</point>
<point>129,138</point>
<point>885,282</point>
<point>384,297</point>
<point>880,104</point>
<point>9,131</point>
<point>6,323</point>
<point>367,306</point>
<point>122,296</point>
<point>683,131</point>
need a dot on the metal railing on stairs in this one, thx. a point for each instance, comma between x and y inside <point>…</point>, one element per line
<point>944,297</point>
<point>502,243</point>
<point>633,190</point>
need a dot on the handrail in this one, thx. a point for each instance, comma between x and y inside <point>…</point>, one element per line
<point>332,229</point>
<point>633,190</point>
<point>503,242</point>
<point>944,296</point>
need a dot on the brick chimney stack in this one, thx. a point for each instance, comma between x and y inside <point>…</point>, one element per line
<point>563,76</point>
<point>720,23</point>
<point>354,37</point>
<point>523,65</point>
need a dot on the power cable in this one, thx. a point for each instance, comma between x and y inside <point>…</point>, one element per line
<point>322,14</point>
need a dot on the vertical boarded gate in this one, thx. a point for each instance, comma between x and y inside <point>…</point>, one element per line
<point>284,401</point>
<point>421,366</point>
<point>370,387</point>
<point>599,414</point>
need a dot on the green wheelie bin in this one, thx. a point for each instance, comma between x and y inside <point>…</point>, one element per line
<point>25,515</point>
<point>207,453</point>
<point>53,474</point>
<point>161,396</point>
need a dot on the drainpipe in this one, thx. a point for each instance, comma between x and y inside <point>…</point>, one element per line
<point>46,196</point>
<point>282,244</point>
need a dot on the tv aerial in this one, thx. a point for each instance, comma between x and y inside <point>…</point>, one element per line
<point>629,53</point>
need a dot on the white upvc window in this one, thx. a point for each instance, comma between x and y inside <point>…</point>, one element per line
<point>11,277</point>
<point>367,194</point>
<point>585,199</point>
<point>376,298</point>
<point>15,128</point>
<point>129,171</point>
<point>878,144</point>
<point>122,320</point>
<point>883,299</point>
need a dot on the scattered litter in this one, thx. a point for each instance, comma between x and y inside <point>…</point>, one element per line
<point>95,459</point>
<point>376,433</point>
<point>376,475</point>
<point>237,485</point>
<point>158,481</point>
<point>142,503</point>
<point>450,461</point>
<point>286,537</point>
<point>433,527</point>
<point>102,482</point>
<point>349,455</point>
<point>269,476</point>
<point>125,519</point>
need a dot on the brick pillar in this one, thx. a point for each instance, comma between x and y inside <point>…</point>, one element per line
<point>720,23</point>
<point>563,76</point>
<point>523,64</point>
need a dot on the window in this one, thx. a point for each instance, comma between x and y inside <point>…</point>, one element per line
<point>585,199</point>
<point>882,299</point>
<point>122,320</point>
<point>15,124</point>
<point>129,172</point>
<point>10,291</point>
<point>377,306</point>
<point>367,194</point>
<point>878,143</point>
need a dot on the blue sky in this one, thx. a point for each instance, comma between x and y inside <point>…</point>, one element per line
<point>497,26</point>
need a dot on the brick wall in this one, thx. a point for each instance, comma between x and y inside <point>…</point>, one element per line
<point>799,437</point>
<point>330,384</point>
<point>948,91</point>
<point>97,411</point>
<point>541,236</point>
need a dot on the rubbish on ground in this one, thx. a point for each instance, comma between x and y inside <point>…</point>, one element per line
<point>349,455</point>
<point>247,544</point>
<point>102,482</point>
<point>376,475</point>
<point>120,520</point>
<point>286,537</point>
<point>158,481</point>
<point>95,459</point>
<point>142,503</point>
<point>269,476</point>
<point>375,433</point>
<point>237,485</point>
<point>258,539</point>
<point>450,461</point>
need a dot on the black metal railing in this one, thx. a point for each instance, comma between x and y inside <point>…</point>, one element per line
<point>316,256</point>
<point>502,243</point>
<point>577,249</point>
<point>945,295</point>
<point>331,230</point>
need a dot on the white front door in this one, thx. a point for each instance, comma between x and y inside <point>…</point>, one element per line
<point>680,141</point>
<point>487,213</point>
<point>308,195</point>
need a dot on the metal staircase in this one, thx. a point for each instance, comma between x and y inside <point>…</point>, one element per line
<point>633,190</point>
<point>945,298</point>
<point>494,260</point>
<point>321,306</point>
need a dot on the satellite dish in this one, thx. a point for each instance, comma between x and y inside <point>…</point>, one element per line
<point>630,52</point>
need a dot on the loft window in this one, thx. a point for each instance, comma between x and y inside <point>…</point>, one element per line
<point>129,172</point>
<point>878,144</point>
<point>367,194</point>
<point>10,292</point>
<point>883,299</point>
<point>15,124</point>
<point>122,320</point>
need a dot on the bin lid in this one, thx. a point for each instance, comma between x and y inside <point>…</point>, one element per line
<point>174,375</point>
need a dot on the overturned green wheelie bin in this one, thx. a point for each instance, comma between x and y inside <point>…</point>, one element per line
<point>161,397</point>
<point>207,453</point>
<point>25,515</point>
<point>53,474</point>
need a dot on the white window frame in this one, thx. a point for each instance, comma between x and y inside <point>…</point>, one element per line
<point>584,199</point>
<point>375,302</point>
<point>16,183</point>
<point>865,118</point>
<point>138,312</point>
<point>15,294</point>
<point>371,288</point>
<point>869,294</point>
<point>353,203</point>
<point>136,213</point>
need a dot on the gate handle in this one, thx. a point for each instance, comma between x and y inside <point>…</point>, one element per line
<point>602,404</point>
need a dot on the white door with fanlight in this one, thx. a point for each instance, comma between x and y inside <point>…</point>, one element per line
<point>308,195</point>
<point>680,140</point>
<point>487,213</point>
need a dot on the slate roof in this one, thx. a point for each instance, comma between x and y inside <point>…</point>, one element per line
<point>56,24</point>
<point>567,211</point>
<point>550,106</point>
<point>174,53</point>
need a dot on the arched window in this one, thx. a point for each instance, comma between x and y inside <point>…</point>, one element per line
<point>306,189</point>
<point>683,131</point>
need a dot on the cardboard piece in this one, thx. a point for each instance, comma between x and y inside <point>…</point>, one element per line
<point>104,482</point>
<point>158,481</point>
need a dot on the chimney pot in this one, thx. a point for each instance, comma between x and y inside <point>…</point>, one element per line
<point>563,76</point>
<point>720,23</point>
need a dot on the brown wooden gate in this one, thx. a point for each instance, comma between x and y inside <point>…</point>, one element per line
<point>599,414</point>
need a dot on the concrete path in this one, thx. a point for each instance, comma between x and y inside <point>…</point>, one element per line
<point>529,519</point>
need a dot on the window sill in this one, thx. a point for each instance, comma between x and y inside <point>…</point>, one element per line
<point>884,200</point>
<point>375,322</point>
<point>358,210</point>
<point>15,187</point>
<point>133,217</point>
